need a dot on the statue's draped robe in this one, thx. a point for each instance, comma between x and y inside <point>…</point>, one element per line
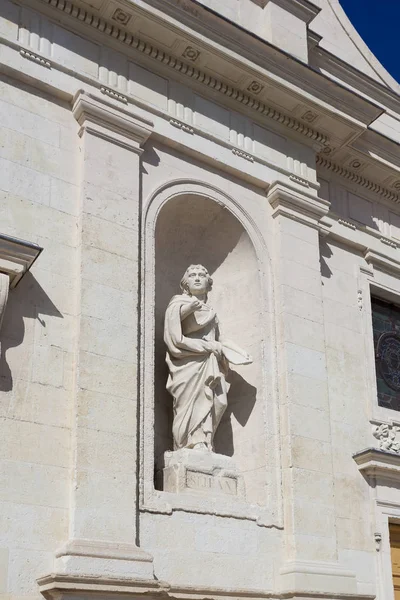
<point>197,379</point>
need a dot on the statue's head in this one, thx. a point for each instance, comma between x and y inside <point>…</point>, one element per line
<point>196,281</point>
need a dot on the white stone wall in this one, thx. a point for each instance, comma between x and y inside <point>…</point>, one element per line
<point>85,174</point>
<point>39,200</point>
<point>347,366</point>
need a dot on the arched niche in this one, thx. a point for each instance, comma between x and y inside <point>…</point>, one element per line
<point>193,228</point>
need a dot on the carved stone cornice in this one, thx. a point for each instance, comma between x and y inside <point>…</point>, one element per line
<point>16,258</point>
<point>373,462</point>
<point>302,9</point>
<point>58,586</point>
<point>61,587</point>
<point>118,125</point>
<point>357,179</point>
<point>321,58</point>
<point>297,205</point>
<point>185,68</point>
<point>353,112</point>
<point>383,262</point>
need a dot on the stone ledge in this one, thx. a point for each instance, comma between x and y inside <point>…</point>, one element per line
<point>202,472</point>
<point>372,462</point>
<point>99,549</point>
<point>17,257</point>
<point>383,262</point>
<point>58,587</point>
<point>310,578</point>
<point>91,558</point>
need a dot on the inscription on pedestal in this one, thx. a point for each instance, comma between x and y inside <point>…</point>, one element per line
<point>202,474</point>
<point>203,481</point>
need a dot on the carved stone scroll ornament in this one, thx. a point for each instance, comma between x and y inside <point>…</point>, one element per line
<point>388,437</point>
<point>198,360</point>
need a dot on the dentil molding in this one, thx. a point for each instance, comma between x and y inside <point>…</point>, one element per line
<point>341,171</point>
<point>186,69</point>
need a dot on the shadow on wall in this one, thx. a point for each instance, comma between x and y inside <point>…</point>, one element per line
<point>27,301</point>
<point>240,407</point>
<point>192,230</point>
<point>324,253</point>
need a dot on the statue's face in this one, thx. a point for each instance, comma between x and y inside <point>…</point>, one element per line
<point>197,282</point>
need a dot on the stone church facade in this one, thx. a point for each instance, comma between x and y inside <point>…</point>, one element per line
<point>259,138</point>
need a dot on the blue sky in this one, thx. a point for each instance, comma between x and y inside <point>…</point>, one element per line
<point>378,23</point>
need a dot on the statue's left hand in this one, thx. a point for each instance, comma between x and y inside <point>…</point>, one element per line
<point>215,348</point>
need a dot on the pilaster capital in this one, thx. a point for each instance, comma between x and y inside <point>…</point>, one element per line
<point>108,121</point>
<point>16,258</point>
<point>300,206</point>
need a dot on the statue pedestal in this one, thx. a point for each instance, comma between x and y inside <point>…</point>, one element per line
<point>200,472</point>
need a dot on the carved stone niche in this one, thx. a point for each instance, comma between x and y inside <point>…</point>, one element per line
<point>193,229</point>
<point>16,258</point>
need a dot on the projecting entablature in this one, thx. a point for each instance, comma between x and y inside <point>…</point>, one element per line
<point>185,43</point>
<point>202,49</point>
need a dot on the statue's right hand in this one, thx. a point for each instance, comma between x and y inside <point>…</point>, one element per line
<point>194,305</point>
<point>189,307</point>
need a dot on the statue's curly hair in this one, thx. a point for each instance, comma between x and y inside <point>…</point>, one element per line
<point>184,280</point>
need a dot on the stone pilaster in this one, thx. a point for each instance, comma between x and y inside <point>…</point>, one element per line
<point>308,481</point>
<point>103,511</point>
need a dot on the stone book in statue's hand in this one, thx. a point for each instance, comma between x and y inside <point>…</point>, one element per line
<point>234,354</point>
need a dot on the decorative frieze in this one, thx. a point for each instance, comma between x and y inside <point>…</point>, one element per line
<point>191,53</point>
<point>188,70</point>
<point>121,17</point>
<point>309,116</point>
<point>255,87</point>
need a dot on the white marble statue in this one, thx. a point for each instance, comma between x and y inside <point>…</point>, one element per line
<point>198,360</point>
